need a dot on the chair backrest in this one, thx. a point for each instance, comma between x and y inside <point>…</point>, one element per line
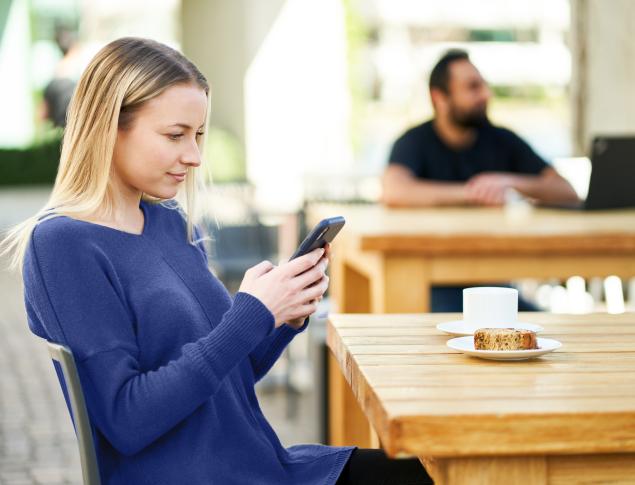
<point>87,455</point>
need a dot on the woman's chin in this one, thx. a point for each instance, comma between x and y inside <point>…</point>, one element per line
<point>163,192</point>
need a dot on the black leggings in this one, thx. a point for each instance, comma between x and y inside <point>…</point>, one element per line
<point>373,467</point>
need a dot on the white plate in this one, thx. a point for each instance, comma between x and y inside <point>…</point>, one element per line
<point>466,345</point>
<point>460,328</point>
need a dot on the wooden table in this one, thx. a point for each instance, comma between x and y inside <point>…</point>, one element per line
<point>386,260</point>
<point>567,417</point>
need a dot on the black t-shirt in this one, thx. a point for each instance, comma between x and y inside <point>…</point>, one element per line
<point>495,150</point>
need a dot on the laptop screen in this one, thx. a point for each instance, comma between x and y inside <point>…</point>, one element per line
<point>612,183</point>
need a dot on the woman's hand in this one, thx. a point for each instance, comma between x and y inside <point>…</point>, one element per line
<point>290,291</point>
<point>298,322</point>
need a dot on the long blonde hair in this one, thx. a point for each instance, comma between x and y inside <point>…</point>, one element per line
<point>121,77</point>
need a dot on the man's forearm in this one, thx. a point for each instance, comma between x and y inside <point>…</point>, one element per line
<point>550,188</point>
<point>423,194</point>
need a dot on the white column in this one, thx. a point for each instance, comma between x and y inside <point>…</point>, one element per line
<point>221,37</point>
<point>603,69</point>
<point>16,123</point>
<point>278,72</point>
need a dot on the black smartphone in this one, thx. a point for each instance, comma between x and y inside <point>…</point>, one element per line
<point>324,232</point>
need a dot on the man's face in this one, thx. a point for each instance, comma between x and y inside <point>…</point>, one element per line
<point>468,95</point>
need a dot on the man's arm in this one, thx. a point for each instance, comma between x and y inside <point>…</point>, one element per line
<point>533,177</point>
<point>402,189</point>
<point>548,187</point>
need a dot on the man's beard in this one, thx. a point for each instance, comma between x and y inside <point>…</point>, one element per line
<point>475,118</point>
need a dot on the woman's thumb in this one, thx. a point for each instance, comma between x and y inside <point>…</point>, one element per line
<point>261,268</point>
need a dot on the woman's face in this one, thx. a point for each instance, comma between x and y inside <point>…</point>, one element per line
<point>160,146</point>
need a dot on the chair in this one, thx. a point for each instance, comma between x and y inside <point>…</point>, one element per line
<point>236,248</point>
<point>79,416</point>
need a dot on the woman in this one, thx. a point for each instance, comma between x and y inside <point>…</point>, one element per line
<point>114,268</point>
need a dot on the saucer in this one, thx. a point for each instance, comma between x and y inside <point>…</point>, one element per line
<point>460,328</point>
<point>466,346</point>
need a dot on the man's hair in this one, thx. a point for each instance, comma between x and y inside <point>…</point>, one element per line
<point>440,75</point>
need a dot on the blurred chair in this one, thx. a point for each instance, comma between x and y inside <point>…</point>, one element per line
<point>239,239</point>
<point>236,248</point>
<point>79,416</point>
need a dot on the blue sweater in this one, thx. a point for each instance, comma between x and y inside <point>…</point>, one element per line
<point>167,359</point>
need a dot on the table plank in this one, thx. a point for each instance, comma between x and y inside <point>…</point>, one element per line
<point>617,469</point>
<point>568,362</point>
<point>591,470</point>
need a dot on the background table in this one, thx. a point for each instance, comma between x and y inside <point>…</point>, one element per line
<point>386,260</point>
<point>567,417</point>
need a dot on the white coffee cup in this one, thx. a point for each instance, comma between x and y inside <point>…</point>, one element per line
<point>491,306</point>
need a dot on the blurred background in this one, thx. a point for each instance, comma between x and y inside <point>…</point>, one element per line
<point>307,97</point>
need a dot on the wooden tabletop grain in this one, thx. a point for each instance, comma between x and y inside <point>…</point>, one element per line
<point>424,399</point>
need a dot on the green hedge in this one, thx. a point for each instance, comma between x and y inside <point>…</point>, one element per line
<point>38,164</point>
<point>33,165</point>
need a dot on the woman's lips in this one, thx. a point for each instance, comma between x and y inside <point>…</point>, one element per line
<point>179,177</point>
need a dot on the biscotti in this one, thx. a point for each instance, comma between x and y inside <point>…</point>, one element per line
<point>504,339</point>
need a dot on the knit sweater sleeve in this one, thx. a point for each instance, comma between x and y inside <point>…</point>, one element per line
<point>73,290</point>
<point>265,355</point>
<point>269,350</point>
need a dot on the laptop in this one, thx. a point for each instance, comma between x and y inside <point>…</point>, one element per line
<point>612,182</point>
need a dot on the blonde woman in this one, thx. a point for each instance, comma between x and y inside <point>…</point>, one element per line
<point>114,268</point>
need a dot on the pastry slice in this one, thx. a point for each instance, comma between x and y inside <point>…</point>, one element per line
<point>504,339</point>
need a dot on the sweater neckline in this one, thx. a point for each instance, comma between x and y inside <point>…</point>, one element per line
<point>144,230</point>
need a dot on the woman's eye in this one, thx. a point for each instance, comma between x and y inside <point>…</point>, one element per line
<point>176,136</point>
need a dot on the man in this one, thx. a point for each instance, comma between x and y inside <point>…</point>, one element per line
<point>459,158</point>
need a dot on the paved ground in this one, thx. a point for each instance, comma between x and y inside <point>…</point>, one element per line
<point>37,441</point>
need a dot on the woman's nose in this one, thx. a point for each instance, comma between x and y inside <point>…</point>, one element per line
<point>192,156</point>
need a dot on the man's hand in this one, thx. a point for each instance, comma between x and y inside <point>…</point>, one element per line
<point>489,188</point>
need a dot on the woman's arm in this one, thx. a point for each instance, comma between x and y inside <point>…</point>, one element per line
<point>134,408</point>
<point>77,298</point>
<point>264,356</point>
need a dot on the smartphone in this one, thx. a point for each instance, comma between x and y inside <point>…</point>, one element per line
<point>324,232</point>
